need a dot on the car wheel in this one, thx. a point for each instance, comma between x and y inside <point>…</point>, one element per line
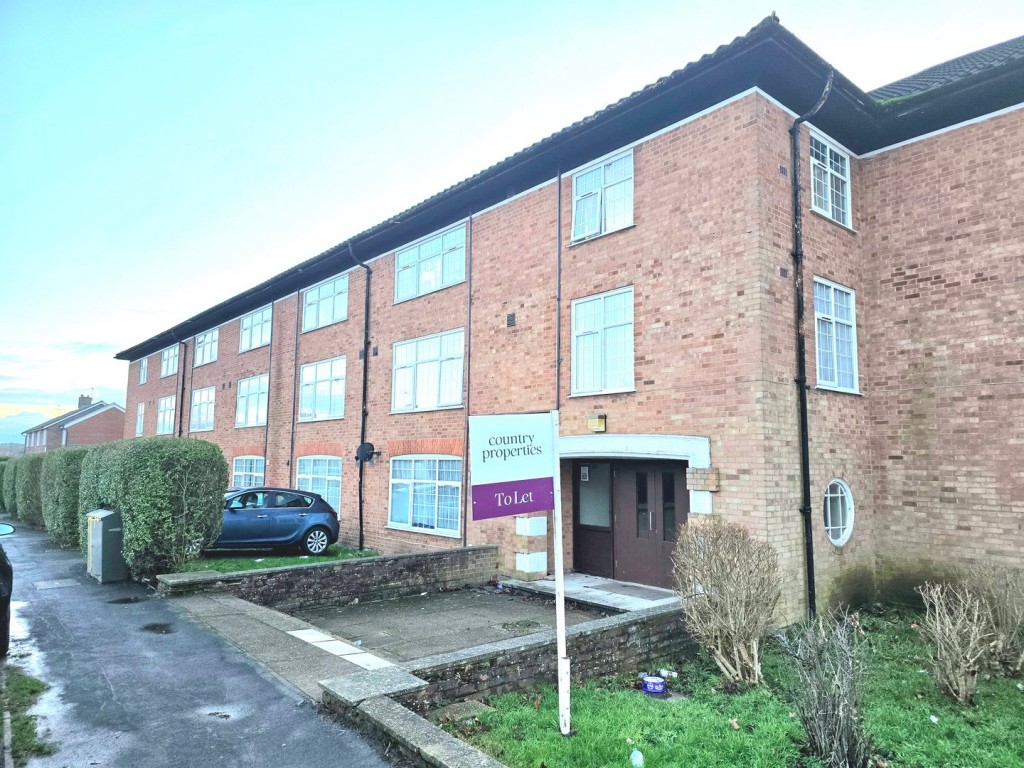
<point>316,541</point>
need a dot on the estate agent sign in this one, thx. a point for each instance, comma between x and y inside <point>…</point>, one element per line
<point>511,463</point>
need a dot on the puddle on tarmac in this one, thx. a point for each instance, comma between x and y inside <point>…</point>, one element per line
<point>158,628</point>
<point>125,600</point>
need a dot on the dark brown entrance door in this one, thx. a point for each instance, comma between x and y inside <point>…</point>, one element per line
<point>649,501</point>
<point>592,518</point>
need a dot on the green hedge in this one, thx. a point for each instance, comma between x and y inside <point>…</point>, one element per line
<point>29,491</point>
<point>3,468</point>
<point>96,486</point>
<point>9,488</point>
<point>169,491</point>
<point>62,470</point>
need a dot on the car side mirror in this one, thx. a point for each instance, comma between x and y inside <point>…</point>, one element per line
<point>6,529</point>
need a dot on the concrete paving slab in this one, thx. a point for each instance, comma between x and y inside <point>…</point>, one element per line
<point>310,635</point>
<point>369,661</point>
<point>338,648</point>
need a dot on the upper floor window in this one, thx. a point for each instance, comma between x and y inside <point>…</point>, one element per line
<point>430,265</point>
<point>320,474</point>
<point>206,348</point>
<point>165,415</point>
<point>322,390</point>
<point>202,409</point>
<point>254,330</point>
<point>251,401</point>
<point>325,303</point>
<point>830,175</point>
<point>427,372</point>
<point>835,323</point>
<point>247,471</point>
<point>602,197</point>
<point>140,416</point>
<point>426,493</point>
<point>602,342</point>
<point>169,361</point>
<point>143,370</point>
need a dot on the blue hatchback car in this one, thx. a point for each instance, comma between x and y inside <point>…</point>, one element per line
<point>278,518</point>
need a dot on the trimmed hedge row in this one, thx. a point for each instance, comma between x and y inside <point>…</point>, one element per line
<point>28,489</point>
<point>3,468</point>
<point>61,472</point>
<point>9,488</point>
<point>169,491</point>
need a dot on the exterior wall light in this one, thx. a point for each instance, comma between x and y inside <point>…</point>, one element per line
<point>597,423</point>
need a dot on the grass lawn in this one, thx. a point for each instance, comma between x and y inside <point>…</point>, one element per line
<point>20,693</point>
<point>227,561</point>
<point>697,728</point>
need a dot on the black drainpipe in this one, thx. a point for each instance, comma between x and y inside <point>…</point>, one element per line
<point>363,411</point>
<point>801,361</point>
<point>182,362</point>
<point>558,290</point>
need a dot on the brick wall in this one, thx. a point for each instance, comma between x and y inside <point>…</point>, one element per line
<point>625,643</point>
<point>341,582</point>
<point>101,428</point>
<point>944,238</point>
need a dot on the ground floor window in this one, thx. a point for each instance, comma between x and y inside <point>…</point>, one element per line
<point>838,512</point>
<point>426,493</point>
<point>247,471</point>
<point>320,474</point>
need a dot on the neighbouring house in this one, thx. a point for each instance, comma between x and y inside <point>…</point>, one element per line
<point>88,424</point>
<point>845,375</point>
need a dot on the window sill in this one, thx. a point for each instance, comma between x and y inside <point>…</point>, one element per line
<point>249,426</point>
<point>598,236</point>
<point>839,390</point>
<point>328,325</point>
<point>429,410</point>
<point>628,391</point>
<point>204,429</point>
<point>429,293</point>
<point>200,365</point>
<point>261,346</point>
<point>427,531</point>
<point>824,215</point>
<point>321,418</point>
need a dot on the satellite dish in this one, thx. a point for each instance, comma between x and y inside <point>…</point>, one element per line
<point>365,452</point>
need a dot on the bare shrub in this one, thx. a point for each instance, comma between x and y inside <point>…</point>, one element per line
<point>729,583</point>
<point>1002,588</point>
<point>958,623</point>
<point>828,699</point>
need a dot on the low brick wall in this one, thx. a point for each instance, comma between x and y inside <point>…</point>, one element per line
<point>340,582</point>
<point>625,643</point>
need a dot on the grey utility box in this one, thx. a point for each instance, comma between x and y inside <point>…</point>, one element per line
<point>104,560</point>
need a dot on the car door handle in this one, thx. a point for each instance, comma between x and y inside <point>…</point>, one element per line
<point>303,514</point>
<point>260,517</point>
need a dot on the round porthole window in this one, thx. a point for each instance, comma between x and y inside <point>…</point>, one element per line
<point>838,512</point>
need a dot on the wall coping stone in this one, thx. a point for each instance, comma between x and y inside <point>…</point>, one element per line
<point>352,690</point>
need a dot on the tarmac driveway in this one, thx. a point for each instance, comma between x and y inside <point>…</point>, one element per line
<point>414,627</point>
<point>136,683</point>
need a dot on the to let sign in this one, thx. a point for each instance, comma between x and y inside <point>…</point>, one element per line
<point>511,461</point>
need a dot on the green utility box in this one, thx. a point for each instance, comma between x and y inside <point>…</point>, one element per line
<point>104,559</point>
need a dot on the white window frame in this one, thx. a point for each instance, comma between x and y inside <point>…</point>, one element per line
<point>831,321</point>
<point>165,415</point>
<point>140,418</point>
<point>417,368</point>
<point>327,484</point>
<point>251,401</point>
<point>407,524</point>
<point>325,303</point>
<point>143,370</point>
<point>248,471</point>
<point>255,328</point>
<point>436,262</point>
<point>319,380</point>
<point>831,193</point>
<point>599,332</point>
<point>837,496</point>
<point>169,361</point>
<point>201,416</point>
<point>606,190</point>
<point>206,348</point>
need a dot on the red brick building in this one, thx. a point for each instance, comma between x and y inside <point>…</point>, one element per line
<point>844,375</point>
<point>88,424</point>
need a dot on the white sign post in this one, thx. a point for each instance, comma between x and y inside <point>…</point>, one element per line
<point>515,470</point>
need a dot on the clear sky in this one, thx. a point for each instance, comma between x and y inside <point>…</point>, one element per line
<point>157,158</point>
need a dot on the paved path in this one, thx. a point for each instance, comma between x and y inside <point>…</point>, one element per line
<point>136,683</point>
